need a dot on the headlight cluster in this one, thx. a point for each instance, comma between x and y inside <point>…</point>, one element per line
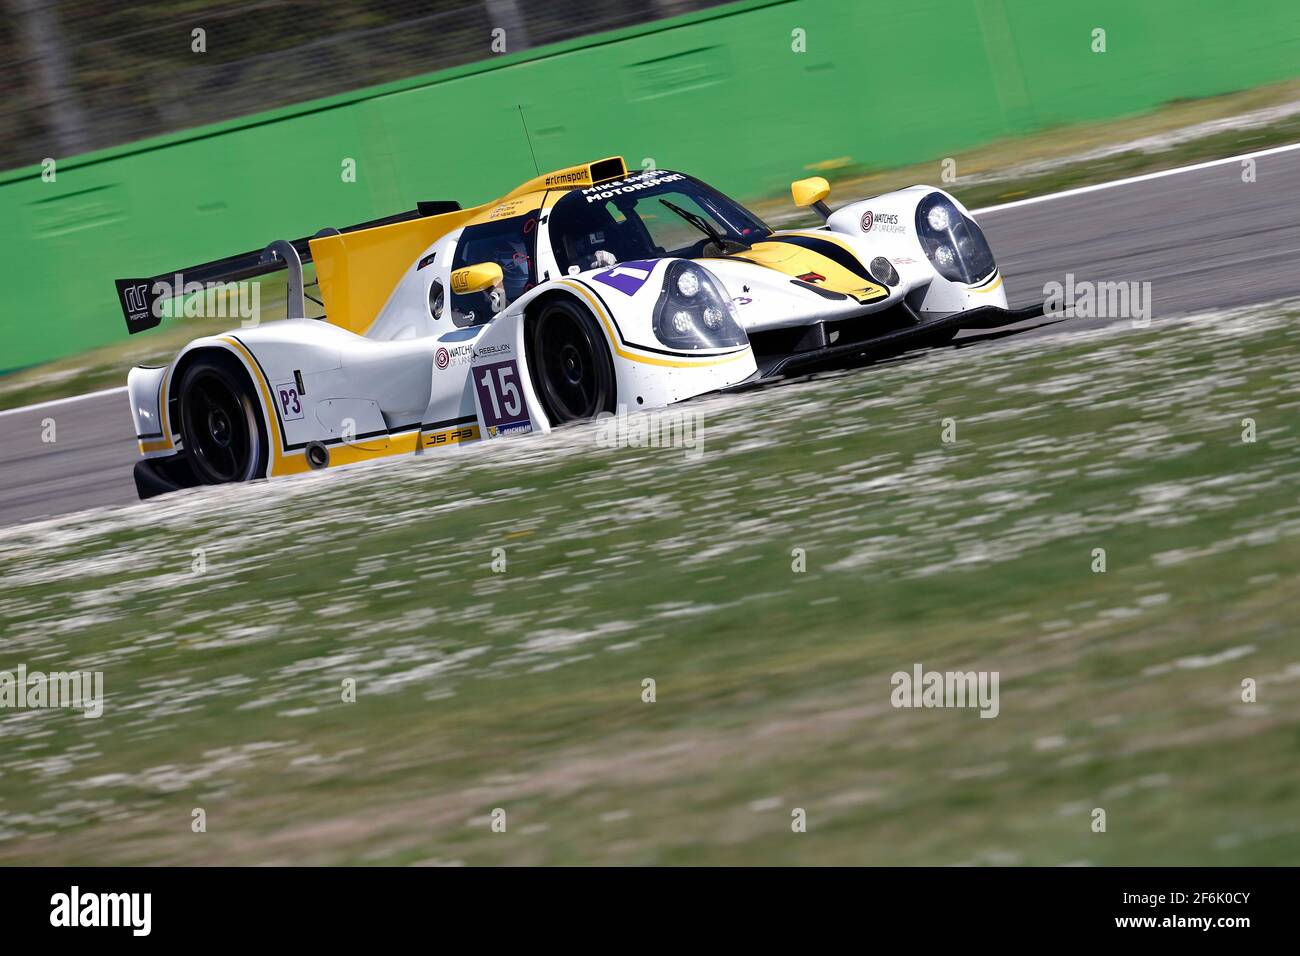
<point>954,243</point>
<point>693,311</point>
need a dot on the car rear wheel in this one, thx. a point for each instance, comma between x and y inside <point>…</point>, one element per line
<point>572,371</point>
<point>220,423</point>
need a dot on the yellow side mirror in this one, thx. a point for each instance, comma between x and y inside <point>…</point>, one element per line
<point>809,192</point>
<point>475,278</point>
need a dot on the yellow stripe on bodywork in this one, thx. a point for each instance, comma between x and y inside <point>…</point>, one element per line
<point>796,261</point>
<point>989,288</point>
<point>281,464</point>
<point>403,443</point>
<point>647,359</point>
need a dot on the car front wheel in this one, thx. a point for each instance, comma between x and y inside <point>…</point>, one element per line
<point>572,369</point>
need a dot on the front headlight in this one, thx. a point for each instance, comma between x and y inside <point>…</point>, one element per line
<point>688,282</point>
<point>953,242</point>
<point>693,311</point>
<point>938,218</point>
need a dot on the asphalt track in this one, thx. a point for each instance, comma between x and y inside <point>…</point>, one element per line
<point>1204,238</point>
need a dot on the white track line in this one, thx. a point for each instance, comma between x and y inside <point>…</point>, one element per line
<point>63,401</point>
<point>1079,191</point>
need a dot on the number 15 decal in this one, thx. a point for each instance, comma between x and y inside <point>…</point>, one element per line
<point>500,397</point>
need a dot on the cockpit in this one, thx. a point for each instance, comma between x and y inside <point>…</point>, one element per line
<point>512,244</point>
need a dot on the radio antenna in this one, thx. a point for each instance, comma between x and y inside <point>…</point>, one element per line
<point>529,139</point>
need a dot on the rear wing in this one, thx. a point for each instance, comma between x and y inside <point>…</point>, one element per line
<point>141,299</point>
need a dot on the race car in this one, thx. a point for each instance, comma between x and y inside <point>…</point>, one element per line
<point>581,291</point>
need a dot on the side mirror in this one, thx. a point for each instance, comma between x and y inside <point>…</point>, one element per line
<point>476,278</point>
<point>812,192</point>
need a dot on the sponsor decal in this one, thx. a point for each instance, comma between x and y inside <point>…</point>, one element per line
<point>137,306</point>
<point>518,428</point>
<point>456,355</point>
<point>490,350</point>
<point>427,260</point>
<point>290,401</point>
<point>627,277</point>
<point>881,222</point>
<point>506,209</point>
<point>645,180</point>
<point>742,300</point>
<point>904,261</point>
<point>812,277</point>
<point>136,298</point>
<point>574,177</point>
<point>451,437</point>
<point>501,399</point>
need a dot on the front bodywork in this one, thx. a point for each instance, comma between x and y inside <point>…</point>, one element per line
<point>862,281</point>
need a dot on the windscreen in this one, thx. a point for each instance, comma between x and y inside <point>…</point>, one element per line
<point>635,218</point>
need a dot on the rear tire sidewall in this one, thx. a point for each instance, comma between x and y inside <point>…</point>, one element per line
<point>228,374</point>
<point>599,363</point>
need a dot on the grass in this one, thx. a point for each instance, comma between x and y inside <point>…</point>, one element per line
<point>522,690</point>
<point>1045,162</point>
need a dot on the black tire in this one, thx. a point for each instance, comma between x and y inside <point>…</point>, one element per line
<point>570,364</point>
<point>221,426</point>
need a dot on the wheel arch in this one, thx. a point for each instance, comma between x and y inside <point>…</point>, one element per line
<point>221,353</point>
<point>533,306</point>
<point>532,313</point>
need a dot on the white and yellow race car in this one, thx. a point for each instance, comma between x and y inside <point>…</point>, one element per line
<point>577,292</point>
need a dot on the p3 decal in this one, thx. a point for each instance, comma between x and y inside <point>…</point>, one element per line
<point>290,401</point>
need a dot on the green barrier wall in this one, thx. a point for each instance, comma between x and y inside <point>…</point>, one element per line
<point>722,94</point>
